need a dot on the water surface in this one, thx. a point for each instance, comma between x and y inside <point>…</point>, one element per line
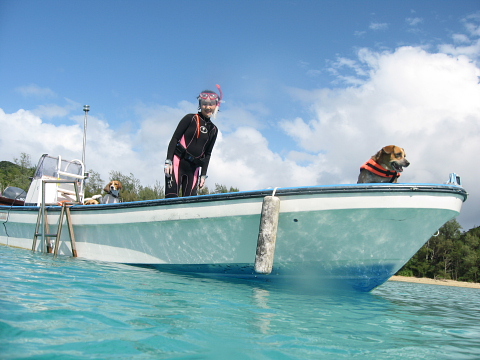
<point>68,308</point>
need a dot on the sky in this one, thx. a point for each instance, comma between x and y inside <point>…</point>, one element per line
<point>312,89</point>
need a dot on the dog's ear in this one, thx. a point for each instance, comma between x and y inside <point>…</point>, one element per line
<point>378,155</point>
<point>389,149</point>
<point>120,186</point>
<point>386,150</point>
<point>397,150</point>
<point>107,187</point>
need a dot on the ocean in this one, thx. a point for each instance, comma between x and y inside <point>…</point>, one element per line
<point>68,308</point>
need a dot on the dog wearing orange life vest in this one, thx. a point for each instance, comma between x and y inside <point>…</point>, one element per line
<point>385,166</point>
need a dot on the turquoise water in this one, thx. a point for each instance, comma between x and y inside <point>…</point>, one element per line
<point>67,308</point>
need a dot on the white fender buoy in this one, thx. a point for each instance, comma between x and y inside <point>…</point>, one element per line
<point>267,235</point>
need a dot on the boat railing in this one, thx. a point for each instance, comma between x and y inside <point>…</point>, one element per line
<point>454,179</point>
<point>70,193</point>
<point>63,175</point>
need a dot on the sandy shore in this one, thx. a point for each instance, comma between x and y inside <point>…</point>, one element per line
<point>435,282</point>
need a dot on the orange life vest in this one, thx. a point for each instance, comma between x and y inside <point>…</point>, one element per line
<point>379,170</point>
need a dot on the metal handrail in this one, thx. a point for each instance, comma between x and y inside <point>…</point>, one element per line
<point>41,219</point>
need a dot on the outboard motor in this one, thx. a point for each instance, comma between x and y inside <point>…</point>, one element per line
<point>15,193</point>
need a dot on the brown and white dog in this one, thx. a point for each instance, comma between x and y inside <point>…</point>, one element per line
<point>112,192</point>
<point>92,200</point>
<point>385,166</point>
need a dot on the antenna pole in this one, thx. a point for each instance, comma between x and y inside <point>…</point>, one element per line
<point>86,108</point>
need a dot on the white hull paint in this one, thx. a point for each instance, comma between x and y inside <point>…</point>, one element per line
<point>356,234</point>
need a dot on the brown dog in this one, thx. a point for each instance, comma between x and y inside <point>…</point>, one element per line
<point>113,192</point>
<point>385,166</point>
<point>90,201</point>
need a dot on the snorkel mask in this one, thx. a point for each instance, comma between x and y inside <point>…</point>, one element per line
<point>207,96</point>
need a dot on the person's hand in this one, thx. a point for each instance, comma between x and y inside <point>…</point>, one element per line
<point>203,178</point>
<point>168,167</point>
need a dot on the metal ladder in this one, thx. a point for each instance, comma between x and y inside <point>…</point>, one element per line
<point>43,223</point>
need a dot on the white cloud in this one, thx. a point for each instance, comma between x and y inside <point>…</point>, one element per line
<point>35,90</point>
<point>25,132</point>
<point>460,38</point>
<point>472,24</point>
<point>355,68</point>
<point>472,50</point>
<point>243,160</point>
<point>414,21</point>
<point>378,26</point>
<point>470,43</point>
<point>314,73</point>
<point>54,111</point>
<point>308,71</point>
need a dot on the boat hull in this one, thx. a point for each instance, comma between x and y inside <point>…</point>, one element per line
<point>355,234</point>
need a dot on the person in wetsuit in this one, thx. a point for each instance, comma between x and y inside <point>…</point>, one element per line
<point>190,148</point>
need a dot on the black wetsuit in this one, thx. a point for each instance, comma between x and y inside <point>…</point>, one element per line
<point>189,150</point>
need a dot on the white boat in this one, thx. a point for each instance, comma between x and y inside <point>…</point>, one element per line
<point>358,235</point>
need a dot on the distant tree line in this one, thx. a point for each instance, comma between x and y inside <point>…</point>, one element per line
<point>450,254</point>
<point>133,191</point>
<point>18,173</point>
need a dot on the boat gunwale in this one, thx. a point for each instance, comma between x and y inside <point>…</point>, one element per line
<point>280,192</point>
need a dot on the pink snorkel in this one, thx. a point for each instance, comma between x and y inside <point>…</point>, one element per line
<point>219,101</point>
